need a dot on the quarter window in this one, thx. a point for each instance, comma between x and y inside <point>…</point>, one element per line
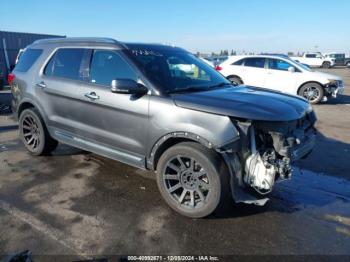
<point>27,59</point>
<point>258,62</point>
<point>107,66</point>
<point>66,63</point>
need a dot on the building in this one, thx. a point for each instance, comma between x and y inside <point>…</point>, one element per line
<point>10,44</point>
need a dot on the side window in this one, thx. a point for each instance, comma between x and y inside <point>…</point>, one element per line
<point>238,63</point>
<point>27,59</point>
<point>278,64</point>
<point>66,63</point>
<point>310,55</point>
<point>258,62</point>
<point>108,65</point>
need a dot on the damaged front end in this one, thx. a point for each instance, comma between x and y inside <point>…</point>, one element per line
<point>265,152</point>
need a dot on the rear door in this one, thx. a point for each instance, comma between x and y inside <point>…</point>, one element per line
<point>253,71</point>
<point>60,87</point>
<point>279,78</point>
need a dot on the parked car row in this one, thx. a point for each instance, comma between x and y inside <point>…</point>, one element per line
<point>282,74</point>
<point>310,59</point>
<point>161,108</point>
<point>326,60</point>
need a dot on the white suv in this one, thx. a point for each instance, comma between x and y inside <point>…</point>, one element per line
<point>282,74</point>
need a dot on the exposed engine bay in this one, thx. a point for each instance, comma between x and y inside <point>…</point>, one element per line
<point>269,149</point>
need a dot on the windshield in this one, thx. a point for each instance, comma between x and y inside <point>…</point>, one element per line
<point>305,67</point>
<point>302,66</point>
<point>176,70</point>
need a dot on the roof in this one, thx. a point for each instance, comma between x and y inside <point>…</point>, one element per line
<point>107,41</point>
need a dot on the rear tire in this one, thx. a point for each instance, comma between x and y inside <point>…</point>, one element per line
<point>313,92</point>
<point>347,64</point>
<point>326,65</point>
<point>34,134</point>
<point>235,80</point>
<point>193,180</point>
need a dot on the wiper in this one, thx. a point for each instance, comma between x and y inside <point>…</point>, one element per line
<point>189,89</point>
<point>221,85</point>
<point>197,88</point>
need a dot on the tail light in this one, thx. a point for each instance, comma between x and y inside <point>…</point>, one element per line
<point>218,68</point>
<point>10,78</point>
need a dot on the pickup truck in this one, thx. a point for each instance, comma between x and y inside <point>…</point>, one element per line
<point>315,59</point>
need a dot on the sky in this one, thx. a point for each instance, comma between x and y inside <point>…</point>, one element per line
<point>196,25</point>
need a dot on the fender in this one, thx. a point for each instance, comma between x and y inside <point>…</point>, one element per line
<point>178,135</point>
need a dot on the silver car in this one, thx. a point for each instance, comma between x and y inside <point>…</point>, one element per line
<point>159,107</point>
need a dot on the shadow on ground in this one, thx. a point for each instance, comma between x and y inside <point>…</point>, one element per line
<point>340,100</point>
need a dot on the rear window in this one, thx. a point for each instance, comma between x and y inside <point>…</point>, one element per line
<point>27,59</point>
<point>66,63</point>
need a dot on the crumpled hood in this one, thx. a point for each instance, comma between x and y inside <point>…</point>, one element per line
<point>245,102</point>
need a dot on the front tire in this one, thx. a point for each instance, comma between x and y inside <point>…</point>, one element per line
<point>34,134</point>
<point>313,92</point>
<point>193,180</point>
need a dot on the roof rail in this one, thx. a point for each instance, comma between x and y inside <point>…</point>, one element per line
<point>102,40</point>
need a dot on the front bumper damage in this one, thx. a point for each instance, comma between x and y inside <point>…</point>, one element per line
<point>264,153</point>
<point>333,89</point>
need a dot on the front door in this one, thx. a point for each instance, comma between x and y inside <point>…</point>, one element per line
<point>279,78</point>
<point>115,121</point>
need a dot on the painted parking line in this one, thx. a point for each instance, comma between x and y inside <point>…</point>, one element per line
<point>73,244</point>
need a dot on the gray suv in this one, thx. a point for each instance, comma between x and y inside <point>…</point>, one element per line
<point>160,108</point>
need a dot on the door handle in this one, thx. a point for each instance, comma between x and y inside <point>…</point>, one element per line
<point>92,96</point>
<point>41,84</point>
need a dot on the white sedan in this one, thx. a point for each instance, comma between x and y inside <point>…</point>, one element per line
<point>282,74</point>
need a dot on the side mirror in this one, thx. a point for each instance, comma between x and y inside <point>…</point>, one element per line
<point>127,86</point>
<point>291,69</point>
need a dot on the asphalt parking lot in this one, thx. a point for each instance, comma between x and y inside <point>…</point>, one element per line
<point>76,203</point>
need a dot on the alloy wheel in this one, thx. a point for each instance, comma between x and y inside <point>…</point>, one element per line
<point>187,182</point>
<point>311,93</point>
<point>31,132</point>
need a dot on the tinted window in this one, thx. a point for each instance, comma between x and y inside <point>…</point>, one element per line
<point>27,59</point>
<point>174,70</point>
<point>179,67</point>
<point>107,66</point>
<point>311,55</point>
<point>278,64</point>
<point>66,63</point>
<point>239,62</point>
<point>255,62</point>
